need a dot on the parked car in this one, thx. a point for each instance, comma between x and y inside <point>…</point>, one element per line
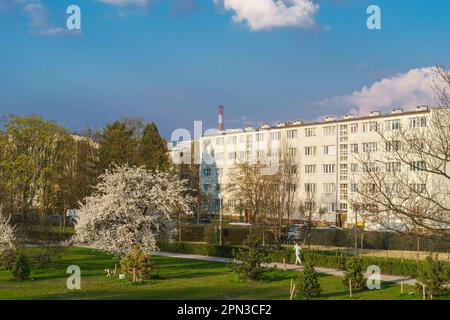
<point>296,232</point>
<point>193,221</point>
<point>205,221</point>
<point>240,224</point>
<point>190,222</point>
<point>329,228</point>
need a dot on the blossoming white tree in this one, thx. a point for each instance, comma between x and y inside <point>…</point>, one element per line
<point>7,236</point>
<point>130,206</point>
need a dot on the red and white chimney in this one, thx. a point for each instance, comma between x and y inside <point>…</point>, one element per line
<point>221,118</point>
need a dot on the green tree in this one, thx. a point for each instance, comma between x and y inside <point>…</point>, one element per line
<point>117,146</point>
<point>251,259</point>
<point>308,284</point>
<point>21,268</point>
<point>153,149</point>
<point>354,273</point>
<point>137,264</point>
<point>33,156</point>
<point>433,274</point>
<point>77,175</point>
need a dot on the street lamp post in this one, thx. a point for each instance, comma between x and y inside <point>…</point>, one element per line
<point>220,220</point>
<point>355,227</point>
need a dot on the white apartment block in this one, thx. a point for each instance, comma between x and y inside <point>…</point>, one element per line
<point>324,151</point>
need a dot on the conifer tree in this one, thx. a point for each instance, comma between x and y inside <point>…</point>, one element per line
<point>433,275</point>
<point>308,283</point>
<point>117,146</point>
<point>354,273</point>
<point>153,149</point>
<point>137,264</point>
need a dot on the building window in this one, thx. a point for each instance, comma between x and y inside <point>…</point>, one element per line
<point>232,203</point>
<point>310,206</point>
<point>417,166</point>
<point>354,128</point>
<point>329,188</point>
<point>310,169</point>
<point>370,147</point>
<point>329,168</point>
<point>369,126</point>
<point>219,156</point>
<point>219,141</point>
<point>354,148</point>
<point>310,187</point>
<point>260,137</point>
<point>370,167</point>
<point>329,150</point>
<point>207,172</point>
<point>232,155</point>
<point>329,131</point>
<point>330,206</point>
<point>310,151</point>
<point>420,122</point>
<point>260,154</point>
<point>292,134</point>
<point>275,153</point>
<point>232,140</point>
<point>310,132</point>
<point>353,187</point>
<point>392,146</point>
<point>354,167</point>
<point>276,136</point>
<point>393,166</point>
<point>292,152</point>
<point>418,188</point>
<point>392,124</point>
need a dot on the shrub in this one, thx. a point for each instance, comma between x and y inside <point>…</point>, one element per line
<point>393,266</point>
<point>7,259</point>
<point>354,273</point>
<point>21,268</point>
<point>252,257</point>
<point>137,264</point>
<point>308,284</point>
<point>433,275</point>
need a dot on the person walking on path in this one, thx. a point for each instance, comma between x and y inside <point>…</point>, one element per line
<point>298,253</point>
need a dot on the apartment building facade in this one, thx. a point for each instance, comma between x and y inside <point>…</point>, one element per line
<point>326,154</point>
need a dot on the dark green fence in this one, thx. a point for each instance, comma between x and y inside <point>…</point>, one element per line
<point>327,238</point>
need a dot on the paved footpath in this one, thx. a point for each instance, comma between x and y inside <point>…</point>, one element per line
<point>332,272</point>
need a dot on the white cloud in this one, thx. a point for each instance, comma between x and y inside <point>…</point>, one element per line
<point>125,3</point>
<point>406,90</point>
<point>268,14</point>
<point>39,19</point>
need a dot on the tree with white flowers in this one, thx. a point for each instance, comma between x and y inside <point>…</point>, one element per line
<point>7,236</point>
<point>130,206</point>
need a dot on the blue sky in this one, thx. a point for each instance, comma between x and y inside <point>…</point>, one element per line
<point>175,61</point>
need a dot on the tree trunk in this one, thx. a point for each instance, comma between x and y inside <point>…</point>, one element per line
<point>418,249</point>
<point>362,242</point>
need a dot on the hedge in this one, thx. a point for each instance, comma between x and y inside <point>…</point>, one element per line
<point>335,238</point>
<point>198,248</point>
<point>378,240</point>
<point>230,235</point>
<point>403,267</point>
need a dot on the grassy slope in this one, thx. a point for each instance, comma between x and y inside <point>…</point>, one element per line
<point>180,279</point>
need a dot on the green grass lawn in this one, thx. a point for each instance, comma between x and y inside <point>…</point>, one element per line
<point>179,279</point>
